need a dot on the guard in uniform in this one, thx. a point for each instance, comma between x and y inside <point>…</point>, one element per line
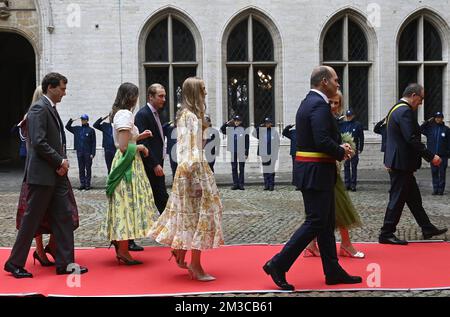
<point>357,131</point>
<point>84,144</point>
<point>268,148</point>
<point>238,145</point>
<point>108,140</point>
<point>438,142</point>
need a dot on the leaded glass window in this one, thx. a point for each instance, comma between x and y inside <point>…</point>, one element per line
<point>170,53</point>
<point>345,48</point>
<point>421,61</point>
<point>251,70</point>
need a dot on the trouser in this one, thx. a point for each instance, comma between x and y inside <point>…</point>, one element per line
<point>320,222</point>
<point>351,178</point>
<point>109,157</point>
<point>173,167</point>
<point>55,199</point>
<point>269,174</point>
<point>85,168</point>
<point>438,174</point>
<point>158,184</point>
<point>294,177</point>
<point>238,178</point>
<point>403,190</point>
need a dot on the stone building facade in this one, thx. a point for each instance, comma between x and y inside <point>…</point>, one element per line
<point>255,56</point>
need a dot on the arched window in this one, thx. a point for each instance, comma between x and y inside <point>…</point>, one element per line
<point>345,48</point>
<point>420,60</point>
<point>251,71</point>
<point>170,58</point>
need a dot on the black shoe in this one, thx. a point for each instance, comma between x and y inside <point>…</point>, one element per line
<point>17,272</point>
<point>132,246</point>
<point>235,187</point>
<point>297,189</point>
<point>41,261</point>
<point>343,279</point>
<point>347,187</point>
<point>81,188</point>
<point>279,278</point>
<point>266,188</point>
<point>434,193</point>
<point>241,187</point>
<point>353,189</point>
<point>441,194</point>
<point>88,188</point>
<point>63,271</point>
<point>271,189</point>
<point>435,232</point>
<point>392,240</point>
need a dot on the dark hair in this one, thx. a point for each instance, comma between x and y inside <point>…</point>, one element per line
<point>53,80</point>
<point>151,91</point>
<point>125,99</point>
<point>413,89</point>
<point>318,74</point>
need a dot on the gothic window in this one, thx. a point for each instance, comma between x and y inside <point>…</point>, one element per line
<point>251,69</point>
<point>170,58</point>
<point>421,61</point>
<point>345,48</point>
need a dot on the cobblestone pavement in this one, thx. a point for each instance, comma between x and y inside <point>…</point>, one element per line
<point>255,216</point>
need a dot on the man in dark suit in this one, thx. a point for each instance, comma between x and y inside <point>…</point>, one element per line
<point>46,175</point>
<point>318,149</point>
<point>148,119</point>
<point>403,157</point>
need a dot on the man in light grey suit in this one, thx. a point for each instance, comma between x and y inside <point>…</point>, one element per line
<point>46,175</point>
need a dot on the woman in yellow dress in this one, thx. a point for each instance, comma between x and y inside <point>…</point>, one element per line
<point>192,219</point>
<point>131,208</point>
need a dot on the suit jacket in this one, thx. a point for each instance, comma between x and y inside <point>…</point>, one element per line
<point>317,131</point>
<point>145,120</point>
<point>47,144</point>
<point>404,148</point>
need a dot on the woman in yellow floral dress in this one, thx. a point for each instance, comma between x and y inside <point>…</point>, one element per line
<point>193,215</point>
<point>131,207</point>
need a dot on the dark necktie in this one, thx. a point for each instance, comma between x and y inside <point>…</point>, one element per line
<point>61,131</point>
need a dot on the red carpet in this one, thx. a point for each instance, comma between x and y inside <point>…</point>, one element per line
<point>237,269</point>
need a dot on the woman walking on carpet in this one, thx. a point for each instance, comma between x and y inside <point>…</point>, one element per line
<point>131,207</point>
<point>346,215</point>
<point>192,219</point>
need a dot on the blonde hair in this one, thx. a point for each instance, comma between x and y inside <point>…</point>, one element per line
<point>341,102</point>
<point>193,98</point>
<point>37,94</point>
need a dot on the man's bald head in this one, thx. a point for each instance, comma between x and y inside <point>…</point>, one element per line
<point>325,79</point>
<point>319,74</point>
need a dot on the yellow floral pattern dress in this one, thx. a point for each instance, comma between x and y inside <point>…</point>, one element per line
<point>193,215</point>
<point>131,209</point>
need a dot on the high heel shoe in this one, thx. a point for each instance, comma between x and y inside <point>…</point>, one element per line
<point>115,244</point>
<point>200,277</point>
<point>182,265</point>
<point>347,253</point>
<point>310,253</point>
<point>41,261</point>
<point>49,251</point>
<point>127,261</point>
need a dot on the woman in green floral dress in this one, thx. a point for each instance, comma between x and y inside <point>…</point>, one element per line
<point>131,208</point>
<point>346,215</point>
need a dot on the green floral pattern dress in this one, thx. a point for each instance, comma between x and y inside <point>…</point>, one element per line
<point>131,209</point>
